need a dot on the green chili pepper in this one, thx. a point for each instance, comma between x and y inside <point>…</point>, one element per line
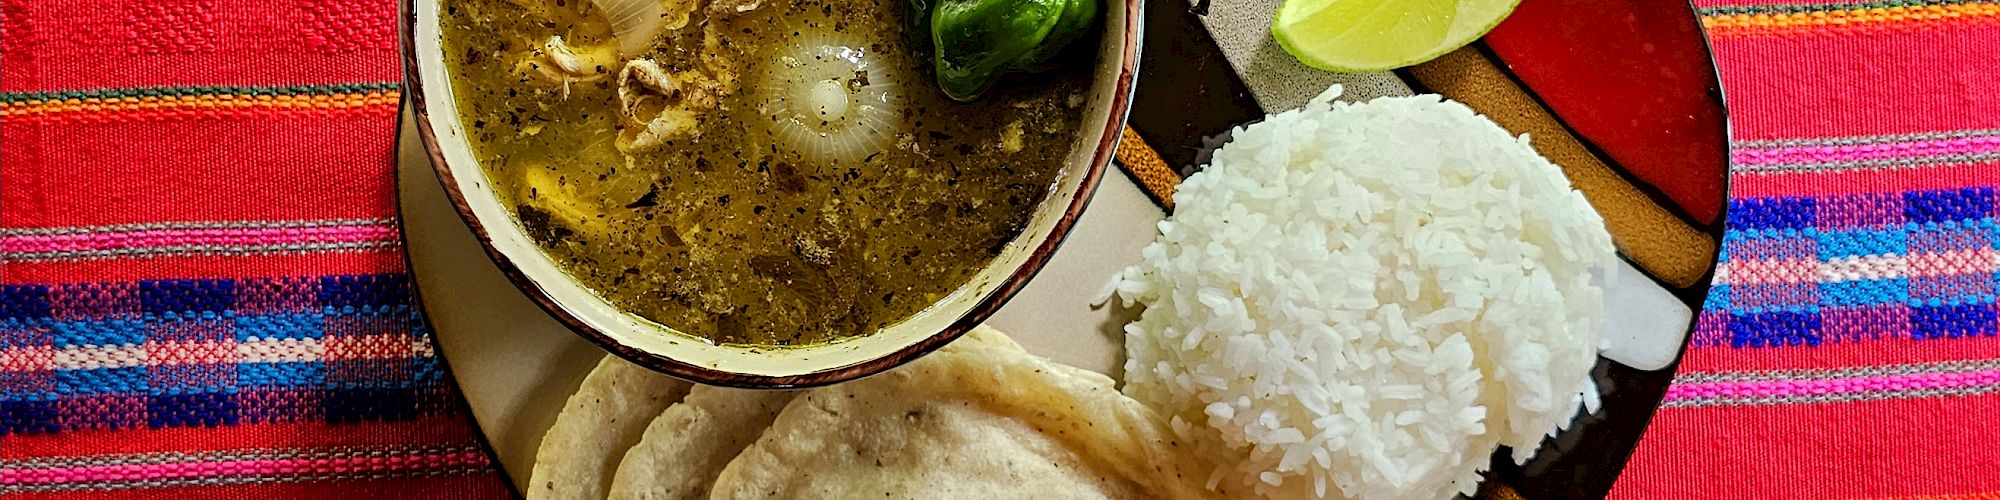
<point>977,41</point>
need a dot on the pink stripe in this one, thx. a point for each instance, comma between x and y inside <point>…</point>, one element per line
<point>229,237</point>
<point>255,468</point>
<point>1857,385</point>
<point>1847,182</point>
<point>1865,152</point>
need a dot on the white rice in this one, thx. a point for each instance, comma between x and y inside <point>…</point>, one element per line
<point>1366,300</point>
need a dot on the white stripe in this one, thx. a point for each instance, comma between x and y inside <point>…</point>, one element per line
<point>94,357</point>
<point>1865,267</point>
<point>261,350</point>
<point>422,347</point>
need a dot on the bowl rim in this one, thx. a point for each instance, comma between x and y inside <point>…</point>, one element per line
<point>1101,156</point>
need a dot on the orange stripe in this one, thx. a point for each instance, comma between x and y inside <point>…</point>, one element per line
<point>1145,165</point>
<point>169,105</point>
<point>1787,23</point>
<point>1659,242</point>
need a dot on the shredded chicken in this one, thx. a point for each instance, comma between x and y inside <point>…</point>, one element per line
<point>556,62</point>
<point>654,107</point>
<point>657,105</point>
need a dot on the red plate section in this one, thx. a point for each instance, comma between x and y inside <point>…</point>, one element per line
<point>1635,81</point>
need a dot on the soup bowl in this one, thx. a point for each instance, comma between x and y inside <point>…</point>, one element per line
<point>664,349</point>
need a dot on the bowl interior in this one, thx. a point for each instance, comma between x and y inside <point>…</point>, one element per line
<point>662,348</point>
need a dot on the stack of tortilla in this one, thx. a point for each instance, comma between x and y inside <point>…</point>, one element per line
<point>979,418</point>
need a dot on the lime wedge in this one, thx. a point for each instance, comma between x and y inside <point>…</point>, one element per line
<point>1377,35</point>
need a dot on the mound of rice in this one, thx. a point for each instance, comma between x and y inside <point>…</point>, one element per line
<point>1366,300</point>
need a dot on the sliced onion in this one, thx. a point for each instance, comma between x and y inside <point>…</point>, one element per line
<point>831,99</point>
<point>636,23</point>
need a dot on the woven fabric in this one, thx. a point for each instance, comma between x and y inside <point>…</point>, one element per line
<point>202,291</point>
<point>1848,346</point>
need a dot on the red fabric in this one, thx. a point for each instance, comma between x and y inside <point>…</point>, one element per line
<point>436,431</point>
<point>1891,351</point>
<point>148,171</point>
<point>1928,446</point>
<point>1880,80</point>
<point>67,45</point>
<point>123,116</point>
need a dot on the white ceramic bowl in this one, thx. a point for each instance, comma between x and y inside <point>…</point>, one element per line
<point>660,347</point>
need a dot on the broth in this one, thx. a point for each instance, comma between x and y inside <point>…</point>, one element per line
<point>811,182</point>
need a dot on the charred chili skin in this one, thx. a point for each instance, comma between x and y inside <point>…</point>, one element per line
<point>977,41</point>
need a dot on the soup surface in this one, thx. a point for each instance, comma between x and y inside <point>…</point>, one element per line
<point>779,174</point>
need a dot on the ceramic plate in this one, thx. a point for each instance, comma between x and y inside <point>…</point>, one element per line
<point>516,364</point>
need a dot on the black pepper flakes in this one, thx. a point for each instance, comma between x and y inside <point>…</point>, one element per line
<point>650,199</point>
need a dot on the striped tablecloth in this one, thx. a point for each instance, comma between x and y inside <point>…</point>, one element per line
<point>202,289</point>
<point>1848,346</point>
<point>202,293</point>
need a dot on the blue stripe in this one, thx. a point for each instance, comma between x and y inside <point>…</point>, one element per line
<point>26,416</point>
<point>108,332</point>
<point>1865,292</point>
<point>111,332</point>
<point>281,374</point>
<point>364,290</point>
<point>208,409</point>
<point>1772,213</point>
<point>126,380</point>
<point>24,301</point>
<point>1951,321</point>
<point>280,326</point>
<point>1862,242</point>
<point>1773,329</point>
<point>427,369</point>
<point>373,311</point>
<point>24,332</point>
<point>1947,205</point>
<point>164,296</point>
<point>1718,298</point>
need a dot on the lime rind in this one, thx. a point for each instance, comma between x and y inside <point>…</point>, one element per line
<point>1472,19</point>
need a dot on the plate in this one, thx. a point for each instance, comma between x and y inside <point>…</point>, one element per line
<point>516,365</point>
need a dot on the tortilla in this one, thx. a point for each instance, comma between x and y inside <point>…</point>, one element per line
<point>605,416</point>
<point>691,441</point>
<point>980,418</point>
